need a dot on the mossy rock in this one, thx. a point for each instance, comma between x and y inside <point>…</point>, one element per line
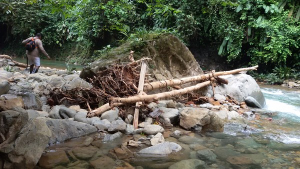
<point>170,58</point>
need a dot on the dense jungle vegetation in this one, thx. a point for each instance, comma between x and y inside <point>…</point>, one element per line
<point>264,32</point>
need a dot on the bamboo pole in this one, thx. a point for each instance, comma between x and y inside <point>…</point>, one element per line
<point>174,82</point>
<point>140,92</point>
<point>15,62</point>
<point>154,97</point>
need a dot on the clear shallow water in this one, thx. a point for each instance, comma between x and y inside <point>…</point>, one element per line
<point>51,63</point>
<point>268,142</point>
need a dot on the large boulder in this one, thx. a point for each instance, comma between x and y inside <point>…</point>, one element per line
<point>193,118</point>
<point>239,87</point>
<point>67,129</point>
<point>170,57</point>
<point>21,148</point>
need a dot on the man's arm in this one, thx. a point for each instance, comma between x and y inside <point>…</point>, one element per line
<point>41,48</point>
<point>26,40</point>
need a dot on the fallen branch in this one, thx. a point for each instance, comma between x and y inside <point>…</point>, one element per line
<point>174,82</point>
<point>15,62</point>
<point>102,109</point>
<point>155,97</point>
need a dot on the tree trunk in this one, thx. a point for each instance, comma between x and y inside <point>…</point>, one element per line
<point>15,62</point>
<point>174,82</point>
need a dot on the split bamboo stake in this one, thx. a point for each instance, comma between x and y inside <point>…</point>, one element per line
<point>140,92</point>
<point>174,82</point>
<point>15,62</point>
<point>102,109</point>
<point>154,97</point>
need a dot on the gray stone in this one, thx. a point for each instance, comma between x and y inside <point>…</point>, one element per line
<point>223,114</point>
<point>32,101</point>
<point>219,97</point>
<point>224,152</point>
<point>39,77</point>
<point>66,129</point>
<point>171,104</point>
<point>206,105</point>
<point>206,155</point>
<point>216,124</point>
<point>153,129</point>
<point>129,129</point>
<point>170,115</point>
<point>56,81</point>
<point>27,150</point>
<point>87,141</point>
<point>77,83</point>
<point>101,125</point>
<point>4,87</point>
<point>111,137</point>
<point>188,164</point>
<point>158,138</point>
<point>192,118</point>
<point>118,125</point>
<point>54,113</point>
<point>251,102</point>
<point>144,124</point>
<point>32,114</point>
<point>233,115</point>
<point>129,119</point>
<point>67,112</point>
<point>239,87</point>
<point>111,115</point>
<point>152,105</point>
<point>161,149</point>
<point>248,143</point>
<point>81,117</point>
<point>176,134</point>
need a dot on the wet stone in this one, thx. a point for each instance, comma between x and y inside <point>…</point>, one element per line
<point>52,159</point>
<point>206,155</point>
<point>84,153</point>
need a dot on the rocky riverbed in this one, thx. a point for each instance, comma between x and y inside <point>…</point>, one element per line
<point>224,133</point>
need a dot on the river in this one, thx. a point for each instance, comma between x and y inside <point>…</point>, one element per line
<point>52,63</point>
<point>268,142</point>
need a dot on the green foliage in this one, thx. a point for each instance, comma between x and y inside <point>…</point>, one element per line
<point>267,31</point>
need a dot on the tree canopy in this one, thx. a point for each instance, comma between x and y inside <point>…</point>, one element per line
<point>266,31</point>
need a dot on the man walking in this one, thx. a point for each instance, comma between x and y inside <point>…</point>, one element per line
<point>33,54</point>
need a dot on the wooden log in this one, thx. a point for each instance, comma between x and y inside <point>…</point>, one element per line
<point>154,97</point>
<point>15,62</point>
<point>140,92</point>
<point>174,82</point>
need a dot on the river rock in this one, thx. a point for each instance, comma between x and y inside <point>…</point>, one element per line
<point>11,103</point>
<point>39,77</point>
<point>160,149</point>
<point>67,129</point>
<point>233,115</point>
<point>56,81</point>
<point>4,87</point>
<point>188,164</point>
<point>189,139</point>
<point>250,101</point>
<point>32,101</point>
<point>85,153</point>
<point>223,114</point>
<point>129,119</point>
<point>111,137</point>
<point>224,152</point>
<point>158,138</point>
<point>32,114</point>
<point>77,83</point>
<point>26,150</point>
<point>153,129</point>
<point>118,125</point>
<point>111,115</point>
<point>206,155</point>
<point>192,118</point>
<point>81,117</point>
<point>52,159</point>
<point>129,129</point>
<point>103,162</point>
<point>216,124</point>
<point>239,87</point>
<point>170,115</point>
<point>101,125</point>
